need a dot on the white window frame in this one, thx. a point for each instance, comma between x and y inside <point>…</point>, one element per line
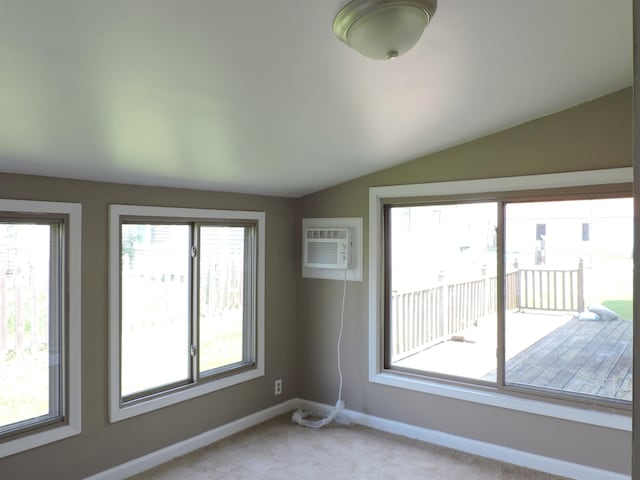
<point>379,375</point>
<point>72,424</point>
<point>119,411</point>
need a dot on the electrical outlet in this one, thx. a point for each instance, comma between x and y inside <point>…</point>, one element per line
<point>277,387</point>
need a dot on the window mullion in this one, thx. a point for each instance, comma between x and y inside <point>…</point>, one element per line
<point>500,292</point>
<point>58,335</point>
<point>386,290</point>
<point>54,312</point>
<point>249,297</point>
<point>194,288</point>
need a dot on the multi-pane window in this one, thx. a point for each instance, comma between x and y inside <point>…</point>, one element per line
<point>39,323</point>
<point>518,292</point>
<point>186,303</point>
<point>30,323</point>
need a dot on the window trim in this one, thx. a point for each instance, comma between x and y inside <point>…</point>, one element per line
<point>119,411</point>
<point>602,416</point>
<point>72,425</point>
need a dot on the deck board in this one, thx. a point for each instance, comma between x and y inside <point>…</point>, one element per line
<point>582,356</point>
<point>597,373</point>
<point>530,364</point>
<point>620,372</point>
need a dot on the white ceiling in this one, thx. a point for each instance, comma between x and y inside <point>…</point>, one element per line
<point>259,96</point>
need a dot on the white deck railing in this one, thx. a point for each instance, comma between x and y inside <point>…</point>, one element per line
<point>422,318</point>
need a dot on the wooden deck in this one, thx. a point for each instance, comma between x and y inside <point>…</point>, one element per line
<point>582,356</point>
<point>557,352</point>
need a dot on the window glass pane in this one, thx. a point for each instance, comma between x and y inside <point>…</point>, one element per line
<point>155,306</point>
<point>222,280</point>
<point>443,289</point>
<point>568,319</point>
<point>29,350</point>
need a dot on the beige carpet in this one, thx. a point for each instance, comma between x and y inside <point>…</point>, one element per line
<point>278,449</point>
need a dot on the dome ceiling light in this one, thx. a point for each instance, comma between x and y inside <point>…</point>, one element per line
<point>383,29</point>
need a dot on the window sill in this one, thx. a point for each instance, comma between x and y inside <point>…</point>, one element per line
<point>122,412</point>
<point>616,421</point>
<point>33,440</point>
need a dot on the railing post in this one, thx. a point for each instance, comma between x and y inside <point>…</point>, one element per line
<point>581,286</point>
<point>4,320</point>
<point>518,282</point>
<point>444,305</point>
<point>487,294</point>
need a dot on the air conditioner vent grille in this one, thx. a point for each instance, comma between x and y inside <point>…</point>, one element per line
<point>322,254</point>
<point>325,233</point>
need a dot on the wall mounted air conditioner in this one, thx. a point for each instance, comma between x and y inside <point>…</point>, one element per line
<point>312,263</point>
<point>327,248</point>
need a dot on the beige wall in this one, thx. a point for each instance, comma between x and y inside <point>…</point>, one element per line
<point>301,330</point>
<point>590,136</point>
<point>102,445</point>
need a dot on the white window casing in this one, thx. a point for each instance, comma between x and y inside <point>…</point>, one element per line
<point>120,410</point>
<point>71,410</point>
<point>498,398</point>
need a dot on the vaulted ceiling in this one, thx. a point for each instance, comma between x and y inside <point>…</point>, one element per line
<point>259,96</point>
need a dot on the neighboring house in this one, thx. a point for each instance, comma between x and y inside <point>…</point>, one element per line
<point>574,229</point>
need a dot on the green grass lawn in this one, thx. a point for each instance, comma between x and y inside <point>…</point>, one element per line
<point>623,308</point>
<point>609,282</point>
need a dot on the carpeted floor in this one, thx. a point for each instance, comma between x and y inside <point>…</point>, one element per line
<point>278,449</point>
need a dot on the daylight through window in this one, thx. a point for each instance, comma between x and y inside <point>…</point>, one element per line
<point>31,323</point>
<point>189,303</point>
<point>517,293</point>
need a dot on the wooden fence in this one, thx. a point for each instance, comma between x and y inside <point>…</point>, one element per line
<point>221,289</point>
<point>24,311</point>
<point>24,308</point>
<point>423,318</point>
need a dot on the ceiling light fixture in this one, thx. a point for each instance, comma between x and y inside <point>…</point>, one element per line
<point>383,29</point>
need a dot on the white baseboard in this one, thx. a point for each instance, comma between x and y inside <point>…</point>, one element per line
<point>475,447</point>
<point>186,446</point>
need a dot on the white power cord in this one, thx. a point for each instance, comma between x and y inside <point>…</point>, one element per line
<point>344,296</point>
<point>300,416</point>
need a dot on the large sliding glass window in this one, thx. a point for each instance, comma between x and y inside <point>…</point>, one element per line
<point>523,292</point>
<point>186,304</point>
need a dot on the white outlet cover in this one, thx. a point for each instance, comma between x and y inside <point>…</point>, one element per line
<point>354,224</point>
